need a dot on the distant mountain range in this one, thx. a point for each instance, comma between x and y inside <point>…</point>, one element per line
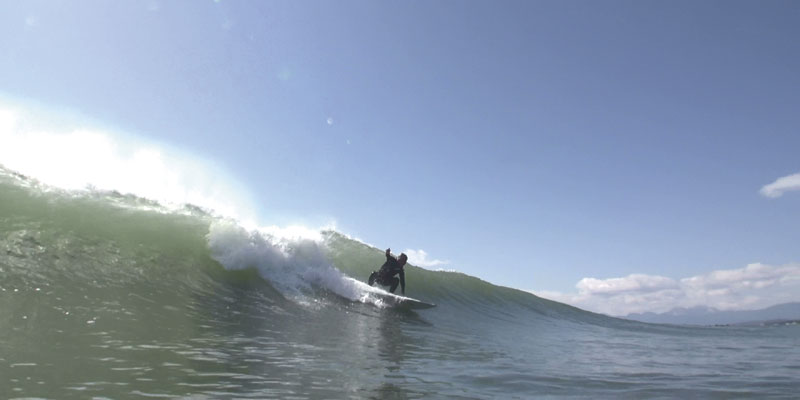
<point>702,315</point>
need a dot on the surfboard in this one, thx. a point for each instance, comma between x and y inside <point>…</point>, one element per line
<point>394,300</point>
<point>388,299</point>
<point>415,304</point>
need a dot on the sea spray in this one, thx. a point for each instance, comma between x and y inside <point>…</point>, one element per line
<point>296,266</point>
<point>67,152</point>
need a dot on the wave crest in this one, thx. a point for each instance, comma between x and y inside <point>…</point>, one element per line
<point>295,266</point>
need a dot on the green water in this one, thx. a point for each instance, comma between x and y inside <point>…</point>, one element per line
<point>111,296</point>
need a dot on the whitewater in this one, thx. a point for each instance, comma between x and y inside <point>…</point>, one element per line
<point>109,295</point>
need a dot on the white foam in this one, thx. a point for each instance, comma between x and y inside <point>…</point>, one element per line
<point>296,265</point>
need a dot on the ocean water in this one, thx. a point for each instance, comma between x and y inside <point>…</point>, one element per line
<point>111,296</point>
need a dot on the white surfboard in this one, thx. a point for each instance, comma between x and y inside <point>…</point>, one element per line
<point>394,300</point>
<point>380,297</point>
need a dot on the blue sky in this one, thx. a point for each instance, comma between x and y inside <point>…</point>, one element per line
<point>533,144</point>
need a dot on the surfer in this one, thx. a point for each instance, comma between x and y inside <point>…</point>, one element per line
<point>386,275</point>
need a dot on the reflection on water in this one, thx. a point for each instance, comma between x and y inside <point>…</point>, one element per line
<point>234,337</point>
<point>390,391</point>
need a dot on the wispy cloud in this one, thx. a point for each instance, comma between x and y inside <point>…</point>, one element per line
<point>753,286</point>
<point>420,259</point>
<point>781,185</point>
<point>631,283</point>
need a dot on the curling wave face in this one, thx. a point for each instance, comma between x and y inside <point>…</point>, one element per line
<point>111,295</point>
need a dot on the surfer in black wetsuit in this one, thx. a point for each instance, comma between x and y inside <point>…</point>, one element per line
<point>386,275</point>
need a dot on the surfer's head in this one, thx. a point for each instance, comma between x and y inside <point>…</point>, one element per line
<point>402,259</point>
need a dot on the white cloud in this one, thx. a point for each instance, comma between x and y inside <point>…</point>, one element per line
<point>420,259</point>
<point>635,282</point>
<point>753,286</point>
<point>329,120</point>
<point>781,185</point>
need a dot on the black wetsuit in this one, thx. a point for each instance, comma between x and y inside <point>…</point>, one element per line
<point>386,275</point>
